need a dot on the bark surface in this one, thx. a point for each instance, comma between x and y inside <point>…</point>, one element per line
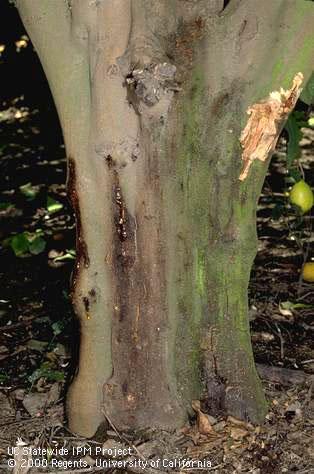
<point>152,98</point>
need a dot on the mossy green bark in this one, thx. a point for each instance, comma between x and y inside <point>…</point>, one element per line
<point>187,220</point>
<point>210,220</point>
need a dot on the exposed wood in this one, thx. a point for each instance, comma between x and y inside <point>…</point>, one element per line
<point>260,135</point>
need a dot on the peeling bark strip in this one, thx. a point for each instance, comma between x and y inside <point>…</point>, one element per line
<point>260,135</point>
<point>81,247</point>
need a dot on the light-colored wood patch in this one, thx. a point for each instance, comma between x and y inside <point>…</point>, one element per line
<point>259,137</point>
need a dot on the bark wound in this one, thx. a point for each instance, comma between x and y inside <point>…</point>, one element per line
<point>259,137</point>
<point>121,212</point>
<point>81,247</point>
<point>88,301</point>
<point>124,246</point>
<point>138,390</point>
<point>148,85</point>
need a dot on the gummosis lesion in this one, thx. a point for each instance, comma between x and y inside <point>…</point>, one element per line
<point>82,257</point>
<point>259,137</point>
<point>121,224</point>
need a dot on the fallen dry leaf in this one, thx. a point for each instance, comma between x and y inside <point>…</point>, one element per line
<point>204,425</point>
<point>238,433</point>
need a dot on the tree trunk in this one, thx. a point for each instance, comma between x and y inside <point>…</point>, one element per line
<point>152,98</point>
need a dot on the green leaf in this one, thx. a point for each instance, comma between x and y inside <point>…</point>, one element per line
<point>46,370</point>
<point>19,244</point>
<point>295,136</point>
<point>69,255</point>
<point>53,206</point>
<point>5,205</point>
<point>4,377</point>
<point>37,245</point>
<point>27,242</point>
<point>29,191</point>
<point>58,327</point>
<point>291,305</point>
<point>55,376</point>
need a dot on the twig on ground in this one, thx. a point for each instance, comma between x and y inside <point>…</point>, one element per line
<point>309,293</point>
<point>21,422</point>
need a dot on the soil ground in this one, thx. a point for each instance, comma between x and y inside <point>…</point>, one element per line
<point>39,335</point>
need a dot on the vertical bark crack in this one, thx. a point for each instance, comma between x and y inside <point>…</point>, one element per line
<point>124,245</point>
<point>82,256</point>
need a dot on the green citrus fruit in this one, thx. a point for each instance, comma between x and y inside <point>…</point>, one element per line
<point>302,196</point>
<point>308,272</point>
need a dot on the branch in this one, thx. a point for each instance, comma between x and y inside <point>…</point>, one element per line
<point>248,33</point>
<point>49,25</point>
<point>257,30</point>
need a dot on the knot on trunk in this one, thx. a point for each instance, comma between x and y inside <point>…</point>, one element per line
<point>151,83</point>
